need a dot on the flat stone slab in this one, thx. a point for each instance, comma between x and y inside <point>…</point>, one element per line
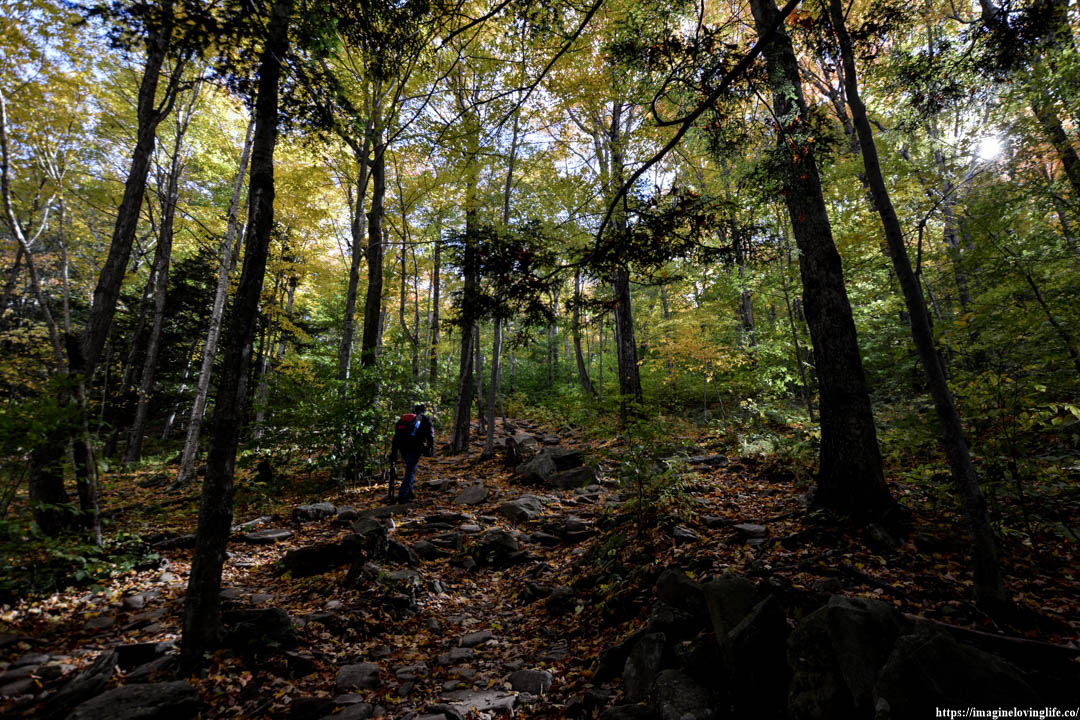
<point>482,701</point>
<point>266,537</point>
<point>475,638</point>
<point>752,530</point>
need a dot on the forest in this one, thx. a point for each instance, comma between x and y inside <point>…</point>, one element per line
<point>747,332</point>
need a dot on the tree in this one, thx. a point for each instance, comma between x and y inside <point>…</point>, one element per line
<point>202,620</point>
<point>850,476</point>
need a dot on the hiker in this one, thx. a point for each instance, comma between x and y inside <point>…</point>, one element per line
<point>413,436</point>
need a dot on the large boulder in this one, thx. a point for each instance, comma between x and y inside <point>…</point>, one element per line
<point>259,630</point>
<point>929,670</point>
<point>322,557</point>
<point>537,470</point>
<point>472,495</point>
<point>314,511</point>
<point>535,682</point>
<point>83,686</point>
<point>674,587</point>
<point>678,697</point>
<point>496,547</point>
<point>759,671</point>
<point>642,665</point>
<point>370,534</point>
<point>836,654</point>
<point>521,509</point>
<point>564,458</point>
<point>155,701</point>
<point>358,676</point>
<point>728,600</point>
<point>573,478</point>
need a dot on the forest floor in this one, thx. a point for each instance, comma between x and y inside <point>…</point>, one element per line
<point>591,554</point>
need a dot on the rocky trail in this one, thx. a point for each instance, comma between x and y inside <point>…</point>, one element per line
<point>505,591</point>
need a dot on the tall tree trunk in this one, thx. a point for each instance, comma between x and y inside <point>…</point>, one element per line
<point>459,441</point>
<point>625,345</point>
<point>369,344</point>
<point>433,370</point>
<point>149,115</point>
<point>226,263</point>
<point>496,381</point>
<point>583,373</point>
<point>202,611</point>
<point>162,259</point>
<point>481,412</point>
<point>989,588</point>
<point>850,477</point>
<point>167,430</point>
<point>358,229</point>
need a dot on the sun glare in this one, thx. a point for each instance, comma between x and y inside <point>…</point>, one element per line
<point>989,148</point>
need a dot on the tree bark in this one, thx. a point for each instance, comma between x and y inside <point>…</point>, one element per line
<point>369,345</point>
<point>433,370</point>
<point>162,259</point>
<point>202,618</point>
<point>583,373</point>
<point>358,229</point>
<point>850,477</point>
<point>989,588</point>
<point>225,267</point>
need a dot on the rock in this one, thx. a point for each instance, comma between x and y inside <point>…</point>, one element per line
<point>472,495</point>
<point>835,654</point>
<point>711,460</point>
<point>321,558</point>
<point>354,711</point>
<point>456,655</point>
<point>678,697</point>
<point>573,478</point>
<point>759,669</point>
<point>674,622</point>
<point>674,587</point>
<point>545,539</point>
<point>136,654</point>
<point>16,673</point>
<point>156,701</point>
<point>929,670</point>
<point>629,712</point>
<point>253,630</point>
<point>728,600</point>
<point>564,458</point>
<point>496,547</point>
<point>521,509</point>
<point>371,535</point>
<point>440,484</point>
<point>535,682</point>
<point>315,511</point>
<point>428,551</point>
<point>450,540</point>
<point>715,521</point>
<point>683,535</point>
<point>537,470</point>
<point>83,686</point>
<point>101,622</point>
<point>399,552</point>
<point>133,602</point>
<point>643,665</point>
<point>471,529</point>
<point>475,638</point>
<point>266,537</point>
<point>359,676</point>
<point>462,703</point>
<point>25,686</point>
<point>346,514</point>
<point>752,530</point>
<point>299,664</point>
<point>448,519</point>
<point>551,440</point>
<point>411,672</point>
<point>560,600</point>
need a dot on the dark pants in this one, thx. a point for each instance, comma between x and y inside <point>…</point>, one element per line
<point>411,458</point>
